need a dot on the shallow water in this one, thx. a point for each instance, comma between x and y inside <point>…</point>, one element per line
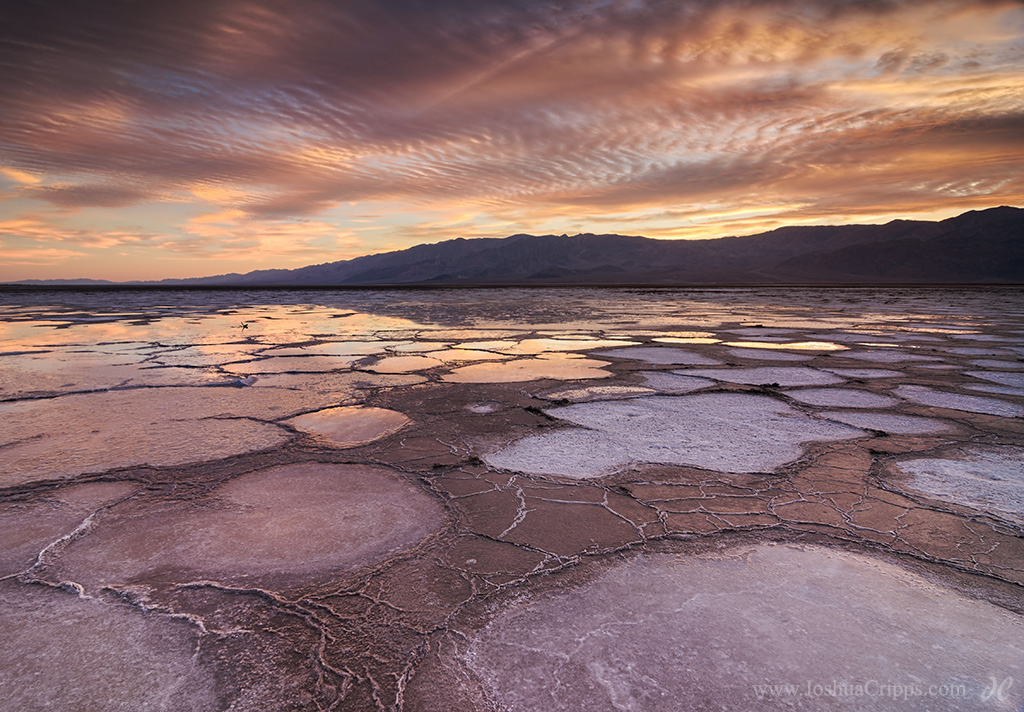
<point>365,499</point>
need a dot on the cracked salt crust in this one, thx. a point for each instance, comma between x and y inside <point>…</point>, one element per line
<point>1015,380</point>
<point>418,346</point>
<point>662,355</point>
<point>27,529</point>
<point>760,434</point>
<point>889,423</point>
<point>1000,390</point>
<point>23,376</point>
<point>63,652</point>
<point>781,375</point>
<point>768,355</point>
<point>293,640</point>
<point>956,401</point>
<point>334,348</point>
<point>590,393</point>
<point>674,383</point>
<point>75,434</point>
<point>292,364</point>
<point>709,339</point>
<point>841,398</point>
<point>974,351</point>
<point>661,632</point>
<point>888,356</point>
<point>538,346</point>
<point>864,372</point>
<point>985,477</point>
<point>450,355</point>
<point>998,364</point>
<point>789,345</point>
<point>288,524</point>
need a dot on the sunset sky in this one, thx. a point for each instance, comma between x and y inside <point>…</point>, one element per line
<point>143,140</point>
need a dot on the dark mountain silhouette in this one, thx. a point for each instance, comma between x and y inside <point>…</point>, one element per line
<point>985,246</point>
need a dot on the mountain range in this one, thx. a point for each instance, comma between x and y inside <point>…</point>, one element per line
<point>981,247</point>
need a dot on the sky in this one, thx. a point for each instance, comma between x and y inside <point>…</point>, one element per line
<point>150,140</point>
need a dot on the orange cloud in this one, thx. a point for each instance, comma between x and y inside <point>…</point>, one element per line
<point>672,119</point>
<point>38,256</point>
<point>20,176</point>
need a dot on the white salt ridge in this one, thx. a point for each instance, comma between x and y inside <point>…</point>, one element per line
<point>483,408</point>
<point>590,393</point>
<point>674,383</point>
<point>475,334</point>
<point>662,355</point>
<point>449,355</point>
<point>341,384</point>
<point>26,529</point>
<point>62,652</point>
<point>893,356</point>
<point>1005,379</point>
<point>334,348</point>
<point>21,376</point>
<point>767,355</point>
<point>864,372</point>
<point>349,426</point>
<point>786,345</point>
<point>982,337</point>
<point>728,432</point>
<point>1001,390</point>
<point>291,364</point>
<point>760,331</point>
<point>206,354</point>
<point>845,338</point>
<point>956,401</point>
<point>989,478</point>
<point>841,398</point>
<point>575,453</point>
<point>768,341</point>
<point>889,423</point>
<point>419,346</point>
<point>685,340</point>
<point>544,345</point>
<point>663,633</point>
<point>997,363</point>
<point>975,351</point>
<point>782,375</point>
<point>295,522</point>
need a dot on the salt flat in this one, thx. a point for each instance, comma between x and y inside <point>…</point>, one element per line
<point>507,499</point>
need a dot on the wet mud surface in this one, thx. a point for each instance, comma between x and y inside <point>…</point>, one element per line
<point>514,500</point>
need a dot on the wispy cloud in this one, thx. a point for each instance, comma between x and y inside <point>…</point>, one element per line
<point>529,114</point>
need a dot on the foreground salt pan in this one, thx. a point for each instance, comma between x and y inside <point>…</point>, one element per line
<point>986,477</point>
<point>62,652</point>
<point>278,526</point>
<point>729,432</point>
<point>93,432</point>
<point>957,401</point>
<point>707,633</point>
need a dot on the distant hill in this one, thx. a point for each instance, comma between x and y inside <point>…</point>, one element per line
<point>985,246</point>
